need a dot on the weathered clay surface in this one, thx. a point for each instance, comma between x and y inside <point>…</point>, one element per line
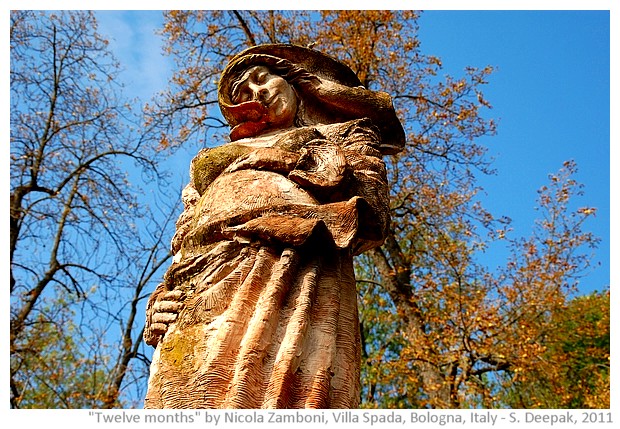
<point>259,307</point>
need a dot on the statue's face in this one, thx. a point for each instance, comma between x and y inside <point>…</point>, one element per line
<point>271,90</point>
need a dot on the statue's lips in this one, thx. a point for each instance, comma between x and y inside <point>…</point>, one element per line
<point>251,118</point>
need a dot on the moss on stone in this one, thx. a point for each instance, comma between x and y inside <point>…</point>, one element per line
<point>178,350</point>
<point>207,167</point>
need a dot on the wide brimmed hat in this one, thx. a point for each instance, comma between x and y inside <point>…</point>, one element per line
<point>345,99</point>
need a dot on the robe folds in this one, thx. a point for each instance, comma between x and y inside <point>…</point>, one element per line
<point>264,264</point>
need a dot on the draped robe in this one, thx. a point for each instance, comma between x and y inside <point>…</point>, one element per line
<point>264,261</point>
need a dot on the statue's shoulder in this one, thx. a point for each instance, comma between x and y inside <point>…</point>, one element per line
<point>211,162</point>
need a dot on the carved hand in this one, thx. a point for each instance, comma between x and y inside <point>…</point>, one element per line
<point>312,84</point>
<point>321,166</point>
<point>164,311</point>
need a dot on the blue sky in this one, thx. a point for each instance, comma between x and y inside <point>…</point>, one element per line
<point>550,94</point>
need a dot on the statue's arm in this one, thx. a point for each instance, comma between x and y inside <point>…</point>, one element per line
<point>164,305</point>
<point>266,158</point>
<point>344,163</point>
<point>369,181</point>
<point>348,164</point>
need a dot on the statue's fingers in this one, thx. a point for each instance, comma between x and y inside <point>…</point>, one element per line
<point>163,318</point>
<point>158,329</point>
<point>173,295</point>
<point>167,307</point>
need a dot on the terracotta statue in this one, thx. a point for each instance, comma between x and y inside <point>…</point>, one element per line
<point>259,307</point>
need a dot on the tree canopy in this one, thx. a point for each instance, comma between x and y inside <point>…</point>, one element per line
<point>83,246</point>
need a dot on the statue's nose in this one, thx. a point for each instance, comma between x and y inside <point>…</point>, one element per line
<point>261,94</point>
